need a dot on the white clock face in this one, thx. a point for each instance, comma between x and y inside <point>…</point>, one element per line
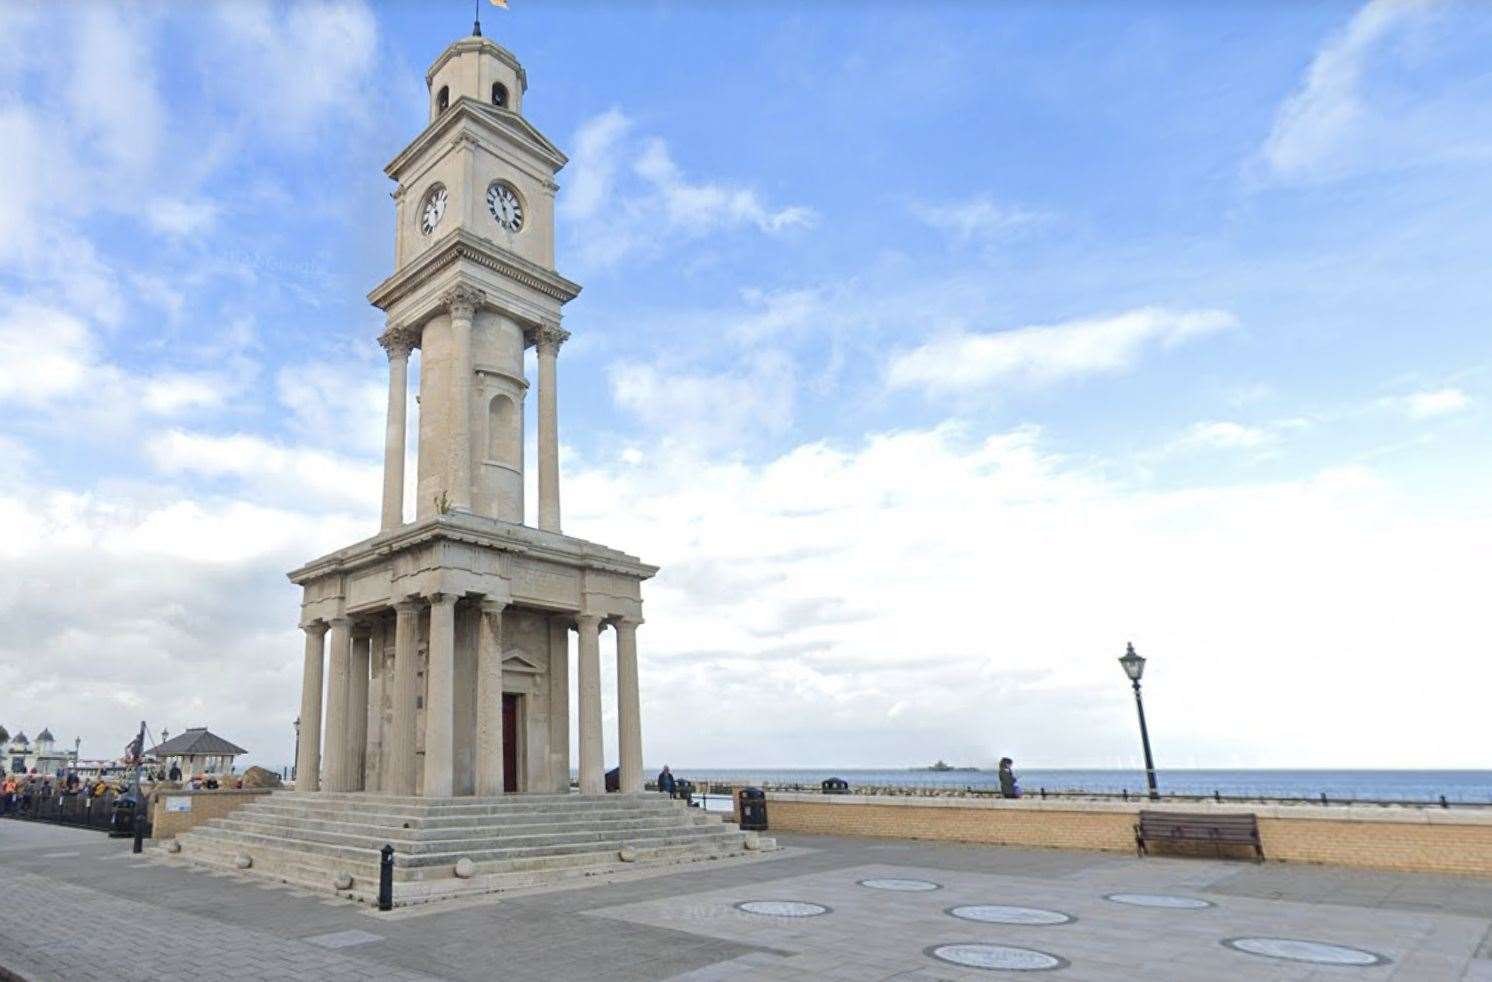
<point>503,202</point>
<point>434,210</point>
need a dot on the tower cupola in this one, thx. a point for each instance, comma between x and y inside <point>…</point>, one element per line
<point>476,68</point>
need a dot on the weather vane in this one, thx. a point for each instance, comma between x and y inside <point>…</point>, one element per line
<point>476,23</point>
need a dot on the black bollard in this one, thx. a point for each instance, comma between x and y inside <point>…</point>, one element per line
<point>386,878</point>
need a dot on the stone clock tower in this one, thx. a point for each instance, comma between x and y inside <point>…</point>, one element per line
<point>442,643</point>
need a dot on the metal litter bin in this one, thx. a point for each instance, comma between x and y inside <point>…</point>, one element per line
<point>751,809</point>
<point>122,819</point>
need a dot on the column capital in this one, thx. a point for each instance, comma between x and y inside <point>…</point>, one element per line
<point>341,621</point>
<point>442,599</point>
<point>317,628</point>
<point>408,603</point>
<point>626,623</point>
<point>462,301</point>
<point>590,622</point>
<point>547,338</point>
<point>491,605</point>
<point>399,342</point>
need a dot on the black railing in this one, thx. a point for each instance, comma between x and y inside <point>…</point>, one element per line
<point>1322,798</point>
<point>66,809</point>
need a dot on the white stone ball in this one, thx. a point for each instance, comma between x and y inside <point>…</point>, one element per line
<point>753,841</point>
<point>627,854</point>
<point>242,860</point>
<point>465,868</point>
<point>342,881</point>
<point>173,846</point>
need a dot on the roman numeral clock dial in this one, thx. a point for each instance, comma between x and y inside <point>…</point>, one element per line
<point>503,203</point>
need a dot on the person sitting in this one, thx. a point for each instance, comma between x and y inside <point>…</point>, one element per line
<point>1008,786</point>
<point>666,782</point>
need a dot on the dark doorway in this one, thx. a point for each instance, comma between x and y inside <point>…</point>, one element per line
<point>511,707</point>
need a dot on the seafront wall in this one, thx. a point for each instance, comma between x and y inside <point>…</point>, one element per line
<point>1374,837</point>
<point>174,811</point>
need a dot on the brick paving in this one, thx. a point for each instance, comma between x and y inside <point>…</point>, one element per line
<point>78,906</point>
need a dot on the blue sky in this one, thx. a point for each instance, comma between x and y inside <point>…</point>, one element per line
<point>933,350</point>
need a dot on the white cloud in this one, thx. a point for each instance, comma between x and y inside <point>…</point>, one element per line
<point>292,476</point>
<point>1367,101</point>
<point>1440,402</point>
<point>50,354</point>
<point>977,217</point>
<point>173,393</point>
<point>982,588</point>
<point>607,226</point>
<point>1223,435</point>
<point>293,71</point>
<point>1049,353</point>
<point>178,216</point>
<point>111,90</point>
<point>739,407</point>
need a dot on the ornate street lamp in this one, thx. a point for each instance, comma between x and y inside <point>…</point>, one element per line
<point>1134,667</point>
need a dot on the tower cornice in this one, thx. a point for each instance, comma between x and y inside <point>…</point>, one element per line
<point>474,43</point>
<point>460,244</point>
<point>465,110</point>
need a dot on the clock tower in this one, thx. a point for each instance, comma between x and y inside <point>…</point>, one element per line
<point>442,643</point>
<point>474,285</point>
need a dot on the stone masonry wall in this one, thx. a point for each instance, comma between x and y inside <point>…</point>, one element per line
<point>1408,839</point>
<point>205,805</point>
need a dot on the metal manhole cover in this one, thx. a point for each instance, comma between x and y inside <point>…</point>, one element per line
<point>996,957</point>
<point>1315,952</point>
<point>906,886</point>
<point>1002,914</point>
<point>782,908</point>
<point>1162,900</point>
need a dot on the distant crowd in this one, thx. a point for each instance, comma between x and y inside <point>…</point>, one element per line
<point>19,791</point>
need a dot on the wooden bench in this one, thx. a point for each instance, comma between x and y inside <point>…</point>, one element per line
<point>1231,827</point>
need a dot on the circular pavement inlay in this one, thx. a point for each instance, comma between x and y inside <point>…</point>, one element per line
<point>1166,901</point>
<point>1315,952</point>
<point>907,886</point>
<point>996,957</point>
<point>782,908</point>
<point>1001,914</point>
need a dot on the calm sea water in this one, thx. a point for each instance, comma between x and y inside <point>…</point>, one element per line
<point>1461,786</point>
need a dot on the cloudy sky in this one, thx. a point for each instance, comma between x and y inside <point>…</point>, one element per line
<point>933,350</point>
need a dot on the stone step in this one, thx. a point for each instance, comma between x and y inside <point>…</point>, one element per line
<point>434,807</point>
<point>492,839</point>
<point>361,848</point>
<point>418,886</point>
<point>400,820</point>
<point>397,835</point>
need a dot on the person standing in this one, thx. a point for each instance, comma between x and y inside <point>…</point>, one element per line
<point>1008,786</point>
<point>666,782</point>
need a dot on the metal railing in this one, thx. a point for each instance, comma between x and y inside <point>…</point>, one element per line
<point>66,809</point>
<point>1323,798</point>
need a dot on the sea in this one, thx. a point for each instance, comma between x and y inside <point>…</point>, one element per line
<point>1427,786</point>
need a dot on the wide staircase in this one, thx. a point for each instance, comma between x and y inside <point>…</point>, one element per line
<point>457,846</point>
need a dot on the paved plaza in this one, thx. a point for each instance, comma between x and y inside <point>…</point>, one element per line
<point>79,906</point>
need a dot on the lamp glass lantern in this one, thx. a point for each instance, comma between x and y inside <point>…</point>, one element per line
<point>1133,664</point>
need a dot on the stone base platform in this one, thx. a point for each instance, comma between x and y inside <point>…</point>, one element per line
<point>330,842</point>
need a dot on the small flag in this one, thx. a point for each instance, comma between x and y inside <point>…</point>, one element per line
<point>500,3</point>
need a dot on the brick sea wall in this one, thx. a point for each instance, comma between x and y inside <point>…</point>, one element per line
<point>205,805</point>
<point>1394,838</point>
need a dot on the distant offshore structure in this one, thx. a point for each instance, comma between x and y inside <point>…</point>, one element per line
<point>941,766</point>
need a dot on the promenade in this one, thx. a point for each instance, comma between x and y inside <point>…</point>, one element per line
<point>80,907</point>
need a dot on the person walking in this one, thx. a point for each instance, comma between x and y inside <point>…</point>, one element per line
<point>666,782</point>
<point>1008,786</point>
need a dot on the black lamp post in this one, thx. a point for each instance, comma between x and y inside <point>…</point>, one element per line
<point>296,761</point>
<point>1134,667</point>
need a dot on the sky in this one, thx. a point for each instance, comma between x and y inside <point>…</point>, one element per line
<point>934,351</point>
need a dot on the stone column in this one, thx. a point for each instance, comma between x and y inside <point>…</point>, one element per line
<point>489,756</point>
<point>397,343</point>
<point>548,343</point>
<point>440,698</point>
<point>308,762</point>
<point>592,778</point>
<point>357,708</point>
<point>462,302</point>
<point>338,683</point>
<point>559,704</point>
<point>378,681</point>
<point>400,745</point>
<point>628,708</point>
